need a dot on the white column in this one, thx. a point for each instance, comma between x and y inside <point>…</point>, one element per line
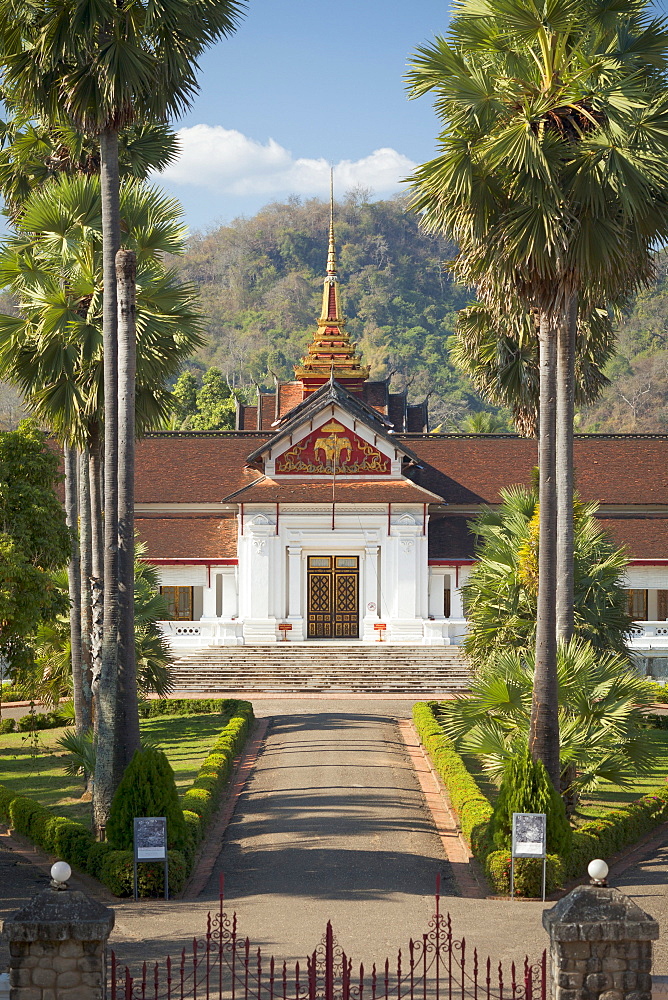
<point>259,621</point>
<point>295,614</point>
<point>407,625</point>
<point>370,612</point>
<point>209,595</point>
<point>436,596</point>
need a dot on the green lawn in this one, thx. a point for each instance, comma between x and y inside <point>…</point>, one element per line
<point>38,772</point>
<point>608,796</point>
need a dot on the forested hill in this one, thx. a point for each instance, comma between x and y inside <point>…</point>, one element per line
<point>261,284</point>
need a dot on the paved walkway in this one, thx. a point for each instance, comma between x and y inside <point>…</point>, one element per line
<point>332,825</point>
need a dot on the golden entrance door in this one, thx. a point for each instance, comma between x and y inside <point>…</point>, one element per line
<point>333,597</point>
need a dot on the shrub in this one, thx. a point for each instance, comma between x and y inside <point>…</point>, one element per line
<point>7,726</point>
<point>41,720</point>
<point>528,874</point>
<point>116,872</point>
<point>72,842</point>
<point>147,788</point>
<point>472,807</point>
<point>6,799</point>
<point>526,788</point>
<point>188,706</point>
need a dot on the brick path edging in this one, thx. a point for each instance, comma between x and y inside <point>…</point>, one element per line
<point>212,845</point>
<point>438,803</point>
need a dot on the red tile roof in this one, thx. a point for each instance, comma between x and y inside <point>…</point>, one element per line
<point>267,403</point>
<point>193,469</point>
<point>612,470</point>
<point>290,394</point>
<point>247,417</point>
<point>188,537</point>
<point>345,491</point>
<point>644,537</point>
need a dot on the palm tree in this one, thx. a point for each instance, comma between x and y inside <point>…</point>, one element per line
<point>101,66</point>
<point>604,734</point>
<point>53,265</point>
<point>500,595</point>
<point>552,179</point>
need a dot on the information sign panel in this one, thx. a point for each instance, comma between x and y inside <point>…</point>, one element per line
<point>150,844</point>
<point>529,840</point>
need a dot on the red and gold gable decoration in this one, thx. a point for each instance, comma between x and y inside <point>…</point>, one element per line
<point>333,449</point>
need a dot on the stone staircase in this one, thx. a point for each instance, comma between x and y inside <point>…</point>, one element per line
<point>291,668</point>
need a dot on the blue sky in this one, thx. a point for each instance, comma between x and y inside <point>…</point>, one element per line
<point>301,84</point>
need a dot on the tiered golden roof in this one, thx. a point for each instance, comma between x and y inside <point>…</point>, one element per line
<point>331,354</point>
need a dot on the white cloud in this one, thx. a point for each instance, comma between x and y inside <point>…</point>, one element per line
<point>227,162</point>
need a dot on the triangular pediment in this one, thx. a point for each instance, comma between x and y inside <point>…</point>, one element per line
<point>333,433</point>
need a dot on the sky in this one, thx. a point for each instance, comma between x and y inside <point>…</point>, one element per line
<point>303,84</point>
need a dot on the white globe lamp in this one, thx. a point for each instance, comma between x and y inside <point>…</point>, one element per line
<point>60,872</point>
<point>598,872</point>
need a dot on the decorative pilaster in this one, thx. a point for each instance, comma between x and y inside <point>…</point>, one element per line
<point>295,613</point>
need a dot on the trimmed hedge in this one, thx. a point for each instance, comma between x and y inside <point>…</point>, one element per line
<point>601,837</point>
<point>188,706</point>
<point>32,722</point>
<point>74,843</point>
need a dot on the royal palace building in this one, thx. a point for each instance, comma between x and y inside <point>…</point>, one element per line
<point>331,513</point>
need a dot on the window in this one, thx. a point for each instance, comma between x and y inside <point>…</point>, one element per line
<point>662,605</point>
<point>180,602</point>
<point>637,605</point>
<point>446,598</point>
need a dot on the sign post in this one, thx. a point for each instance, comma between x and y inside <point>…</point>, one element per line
<point>529,841</point>
<point>284,627</point>
<point>380,628</point>
<point>150,844</point>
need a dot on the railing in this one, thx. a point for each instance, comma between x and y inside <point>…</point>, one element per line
<point>642,634</point>
<point>223,964</point>
<point>444,631</point>
<point>221,632</point>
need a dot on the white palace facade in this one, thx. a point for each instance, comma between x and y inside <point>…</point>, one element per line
<point>332,514</point>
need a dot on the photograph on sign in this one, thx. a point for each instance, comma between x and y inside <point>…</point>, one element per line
<point>150,838</point>
<point>529,835</point>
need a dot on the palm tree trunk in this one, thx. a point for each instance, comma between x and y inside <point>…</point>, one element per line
<point>544,733</point>
<point>128,715</point>
<point>566,335</point>
<point>97,560</point>
<point>74,585</point>
<point>107,774</point>
<point>86,554</point>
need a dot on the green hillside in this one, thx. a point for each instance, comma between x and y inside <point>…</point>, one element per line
<point>261,284</point>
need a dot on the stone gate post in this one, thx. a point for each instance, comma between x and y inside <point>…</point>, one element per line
<point>58,947</point>
<point>600,946</point>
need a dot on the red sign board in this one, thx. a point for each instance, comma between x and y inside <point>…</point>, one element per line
<point>284,627</point>
<point>380,626</point>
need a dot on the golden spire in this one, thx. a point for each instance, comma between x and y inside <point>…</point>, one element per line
<point>331,254</point>
<point>331,354</point>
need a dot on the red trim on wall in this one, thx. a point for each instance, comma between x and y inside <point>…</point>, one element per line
<point>191,562</point>
<point>648,562</point>
<point>452,562</point>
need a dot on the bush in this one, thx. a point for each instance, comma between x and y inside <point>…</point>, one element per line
<point>600,837</point>
<point>7,726</point>
<point>116,872</point>
<point>188,706</point>
<point>528,874</point>
<point>526,788</point>
<point>472,807</point>
<point>41,720</point>
<point>74,843</point>
<point>147,788</point>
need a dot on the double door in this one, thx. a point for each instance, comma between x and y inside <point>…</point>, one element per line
<point>333,597</point>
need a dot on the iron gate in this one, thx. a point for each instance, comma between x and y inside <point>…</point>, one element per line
<point>223,964</point>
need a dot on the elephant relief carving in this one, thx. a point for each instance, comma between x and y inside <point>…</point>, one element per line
<point>333,448</point>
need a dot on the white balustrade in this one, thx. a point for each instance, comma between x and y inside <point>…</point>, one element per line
<point>444,631</point>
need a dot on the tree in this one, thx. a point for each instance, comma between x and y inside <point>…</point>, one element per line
<point>34,540</point>
<point>216,403</point>
<point>101,66</point>
<point>603,733</point>
<point>52,349</point>
<point>552,179</point>
<point>501,594</point>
